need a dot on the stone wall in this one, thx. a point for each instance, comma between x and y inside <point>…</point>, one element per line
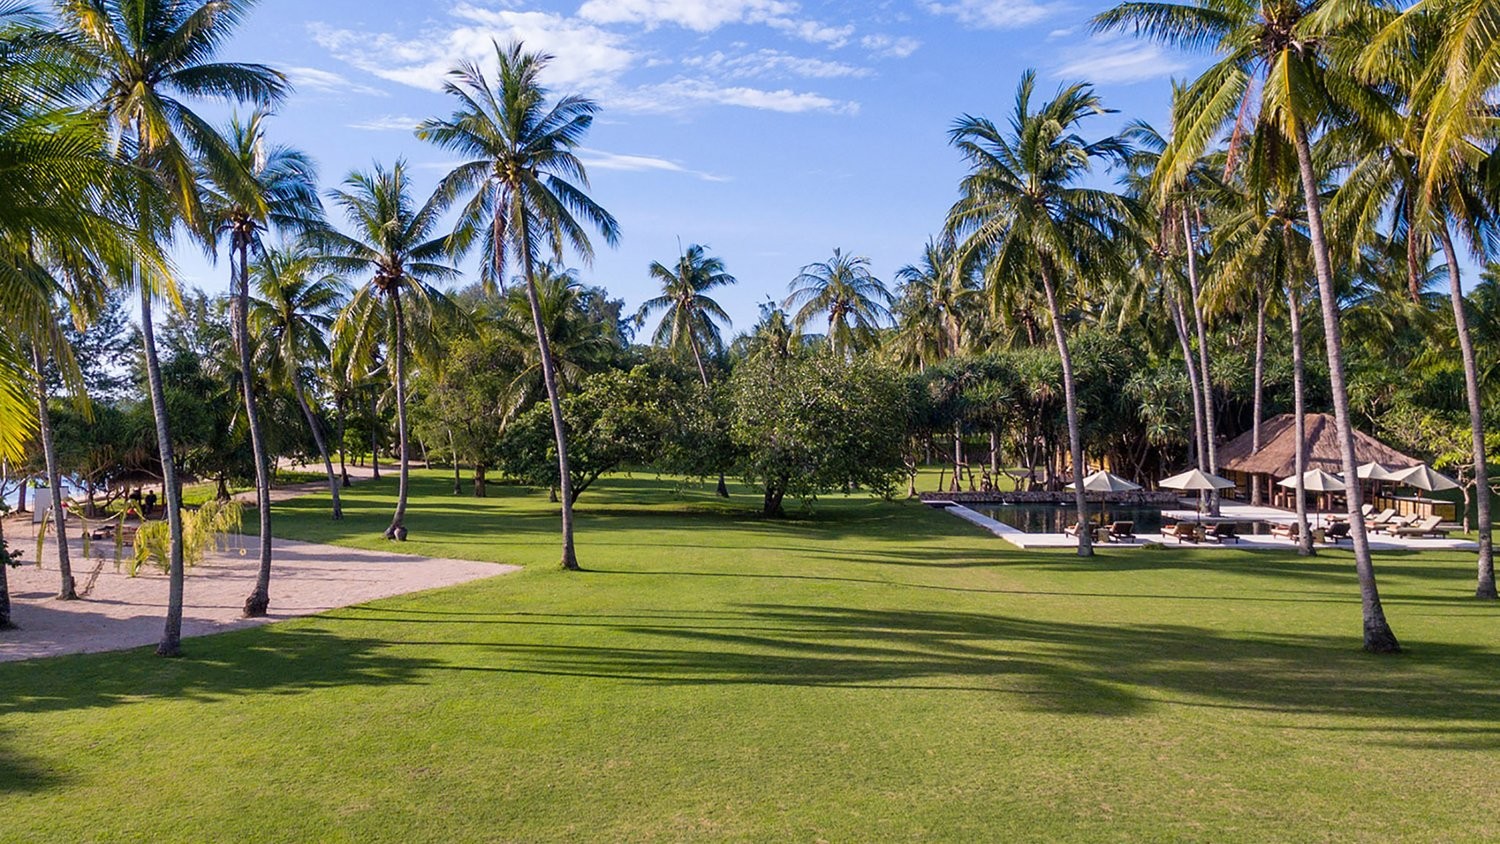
<point>1143,497</point>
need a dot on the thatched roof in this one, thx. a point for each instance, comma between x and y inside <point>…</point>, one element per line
<point>1277,454</point>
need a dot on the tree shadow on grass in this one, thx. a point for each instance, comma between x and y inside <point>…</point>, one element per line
<point>251,661</point>
<point>1051,666</point>
<point>20,775</point>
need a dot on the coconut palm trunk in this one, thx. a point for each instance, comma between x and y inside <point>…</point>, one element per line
<point>259,600</point>
<point>343,468</point>
<point>1486,582</point>
<point>374,436</point>
<point>397,529</point>
<point>66,590</point>
<point>322,442</point>
<point>5,622</point>
<point>1299,459</point>
<point>549,378</point>
<point>723,490</point>
<point>1179,322</point>
<point>171,637</point>
<point>1210,449</point>
<point>1075,433</point>
<point>1258,387</point>
<point>1378,636</point>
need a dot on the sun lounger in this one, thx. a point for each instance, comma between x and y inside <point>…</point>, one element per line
<point>1336,532</point>
<point>1223,532</point>
<point>1122,532</point>
<point>1380,518</point>
<point>1287,531</point>
<point>1398,523</point>
<point>1182,532</point>
<point>1425,527</point>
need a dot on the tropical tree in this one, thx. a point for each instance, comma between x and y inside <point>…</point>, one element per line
<point>1023,210</point>
<point>393,247</point>
<point>282,191</point>
<point>295,312</point>
<point>934,306</point>
<point>843,290</point>
<point>691,320</point>
<point>526,192</point>
<point>1275,75</point>
<point>150,54</point>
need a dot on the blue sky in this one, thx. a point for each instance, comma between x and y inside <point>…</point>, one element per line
<point>770,130</point>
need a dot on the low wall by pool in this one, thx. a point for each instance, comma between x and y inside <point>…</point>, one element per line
<point>1146,497</point>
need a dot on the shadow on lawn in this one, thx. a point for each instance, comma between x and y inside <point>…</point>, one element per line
<point>19,775</point>
<point>1051,666</point>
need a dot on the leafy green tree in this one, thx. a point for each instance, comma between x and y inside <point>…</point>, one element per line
<point>810,423</point>
<point>393,246</point>
<point>1023,209</point>
<point>527,193</point>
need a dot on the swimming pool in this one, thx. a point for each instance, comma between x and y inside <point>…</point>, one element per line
<point>1052,518</point>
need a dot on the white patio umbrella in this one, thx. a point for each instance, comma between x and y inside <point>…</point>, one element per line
<point>1198,481</point>
<point>1422,476</point>
<point>1315,480</point>
<point>1373,471</point>
<point>1102,481</point>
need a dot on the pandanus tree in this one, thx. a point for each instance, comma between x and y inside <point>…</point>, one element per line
<point>1275,74</point>
<point>262,186</point>
<point>526,195</point>
<point>294,311</point>
<point>1023,209</point>
<point>392,245</point>
<point>151,57</point>
<point>691,320</point>
<point>845,292</point>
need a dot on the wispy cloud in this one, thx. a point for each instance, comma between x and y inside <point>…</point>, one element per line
<point>601,160</point>
<point>768,62</point>
<point>992,14</point>
<point>1123,61</point>
<point>708,15</point>
<point>315,80</point>
<point>683,93</point>
<point>890,46</point>
<point>388,123</point>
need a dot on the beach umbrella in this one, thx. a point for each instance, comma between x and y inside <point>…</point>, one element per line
<point>1198,481</point>
<point>1422,476</point>
<point>1373,471</point>
<point>1102,481</point>
<point>1315,480</point>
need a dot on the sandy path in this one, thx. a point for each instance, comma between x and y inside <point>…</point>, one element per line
<point>124,612</point>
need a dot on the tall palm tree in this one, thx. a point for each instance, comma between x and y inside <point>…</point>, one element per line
<point>692,319</point>
<point>150,54</point>
<point>393,245</point>
<point>942,289</point>
<point>1275,76</point>
<point>843,290</point>
<point>1023,208</point>
<point>295,312</point>
<point>282,191</point>
<point>526,190</point>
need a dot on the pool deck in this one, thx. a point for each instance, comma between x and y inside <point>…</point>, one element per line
<point>1230,512</point>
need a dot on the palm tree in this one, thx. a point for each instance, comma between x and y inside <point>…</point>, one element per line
<point>295,312</point>
<point>526,191</point>
<point>149,53</point>
<point>263,185</point>
<point>843,290</point>
<point>1022,208</point>
<point>692,319</point>
<point>392,244</point>
<point>942,289</point>
<point>1274,76</point>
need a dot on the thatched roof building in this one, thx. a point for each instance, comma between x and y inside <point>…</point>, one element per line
<point>1278,450</point>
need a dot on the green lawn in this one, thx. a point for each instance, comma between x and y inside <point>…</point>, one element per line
<point>872,672</point>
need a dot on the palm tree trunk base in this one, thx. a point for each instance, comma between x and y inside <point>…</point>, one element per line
<point>1380,640</point>
<point>257,604</point>
<point>723,490</point>
<point>1486,592</point>
<point>68,591</point>
<point>396,532</point>
<point>169,648</point>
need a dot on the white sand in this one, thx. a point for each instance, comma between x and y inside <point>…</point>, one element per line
<point>122,612</point>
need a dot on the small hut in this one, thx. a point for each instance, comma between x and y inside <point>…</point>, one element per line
<point>1278,454</point>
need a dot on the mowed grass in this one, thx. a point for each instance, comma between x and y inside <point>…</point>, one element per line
<point>873,671</point>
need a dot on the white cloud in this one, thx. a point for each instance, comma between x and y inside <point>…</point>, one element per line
<point>600,160</point>
<point>697,15</point>
<point>682,93</point>
<point>992,14</point>
<point>388,123</point>
<point>312,79</point>
<point>813,32</point>
<point>587,56</point>
<point>890,46</point>
<point>1112,59</point>
<point>769,62</point>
